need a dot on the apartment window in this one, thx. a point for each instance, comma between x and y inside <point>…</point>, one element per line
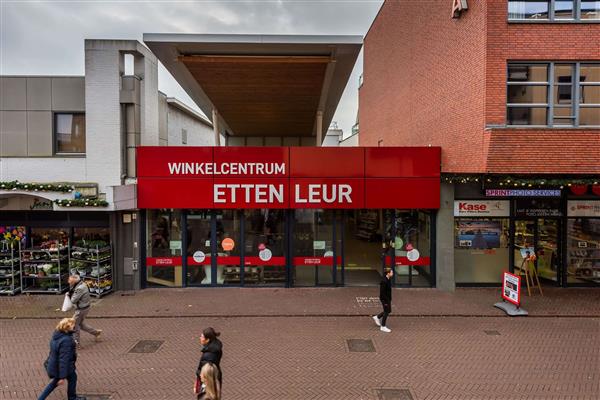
<point>553,94</point>
<point>69,132</point>
<point>553,10</point>
<point>184,136</point>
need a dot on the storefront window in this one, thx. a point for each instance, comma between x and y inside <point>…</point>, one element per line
<point>228,247</point>
<point>313,247</point>
<point>364,230</point>
<point>164,249</point>
<point>412,248</point>
<point>198,247</point>
<point>48,237</point>
<point>481,249</point>
<point>583,250</point>
<point>264,251</point>
<point>91,237</point>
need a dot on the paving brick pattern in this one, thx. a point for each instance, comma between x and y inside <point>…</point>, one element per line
<point>250,302</point>
<point>307,358</point>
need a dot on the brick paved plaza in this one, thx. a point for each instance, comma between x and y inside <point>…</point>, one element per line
<point>307,357</point>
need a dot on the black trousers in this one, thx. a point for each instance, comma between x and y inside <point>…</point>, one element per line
<point>387,310</point>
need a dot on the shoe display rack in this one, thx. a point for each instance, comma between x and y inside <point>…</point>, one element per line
<point>94,265</point>
<point>10,271</point>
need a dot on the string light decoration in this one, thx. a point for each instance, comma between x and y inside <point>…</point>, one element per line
<point>37,187</point>
<point>508,181</point>
<point>81,203</point>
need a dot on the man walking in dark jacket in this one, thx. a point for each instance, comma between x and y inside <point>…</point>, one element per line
<point>385,296</point>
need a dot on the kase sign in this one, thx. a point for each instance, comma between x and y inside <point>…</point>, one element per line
<point>288,177</point>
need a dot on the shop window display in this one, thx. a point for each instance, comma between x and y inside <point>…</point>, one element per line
<point>583,250</point>
<point>481,249</point>
<point>413,233</point>
<point>198,247</point>
<point>312,239</point>
<point>264,251</point>
<point>164,241</point>
<point>228,225</point>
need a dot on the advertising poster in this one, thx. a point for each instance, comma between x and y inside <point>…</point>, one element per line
<point>511,288</point>
<point>478,234</point>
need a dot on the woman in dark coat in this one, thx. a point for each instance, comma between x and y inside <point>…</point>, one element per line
<point>212,351</point>
<point>60,364</point>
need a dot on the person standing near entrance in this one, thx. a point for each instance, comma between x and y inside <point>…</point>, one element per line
<point>385,296</point>
<point>79,293</point>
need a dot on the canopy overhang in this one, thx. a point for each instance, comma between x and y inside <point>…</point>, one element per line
<point>261,85</point>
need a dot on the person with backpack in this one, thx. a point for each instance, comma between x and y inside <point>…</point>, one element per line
<point>60,364</point>
<point>385,296</point>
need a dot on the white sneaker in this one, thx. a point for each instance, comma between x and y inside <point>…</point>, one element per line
<point>385,329</point>
<point>377,320</point>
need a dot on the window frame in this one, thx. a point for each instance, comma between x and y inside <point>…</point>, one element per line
<point>551,85</point>
<point>551,17</point>
<point>55,150</point>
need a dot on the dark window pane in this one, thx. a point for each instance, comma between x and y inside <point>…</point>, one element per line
<point>563,73</point>
<point>589,73</point>
<point>589,116</point>
<point>563,94</point>
<point>590,9</point>
<point>590,94</point>
<point>528,73</point>
<point>527,94</point>
<point>563,9</point>
<point>527,116</point>
<point>528,9</point>
<point>70,133</point>
<point>563,116</point>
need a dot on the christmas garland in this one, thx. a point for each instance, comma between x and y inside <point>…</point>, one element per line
<point>81,203</point>
<point>36,187</point>
<point>521,181</point>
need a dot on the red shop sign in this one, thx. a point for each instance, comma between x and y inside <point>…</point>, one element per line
<point>284,177</point>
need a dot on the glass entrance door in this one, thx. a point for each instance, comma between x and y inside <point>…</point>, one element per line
<point>541,236</point>
<point>313,247</point>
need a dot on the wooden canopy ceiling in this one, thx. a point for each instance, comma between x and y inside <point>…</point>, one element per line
<point>261,85</point>
<point>262,95</point>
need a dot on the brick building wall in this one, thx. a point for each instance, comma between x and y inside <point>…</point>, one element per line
<point>527,42</point>
<point>424,80</point>
<point>431,79</point>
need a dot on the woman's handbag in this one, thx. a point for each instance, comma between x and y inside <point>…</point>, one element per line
<point>198,386</point>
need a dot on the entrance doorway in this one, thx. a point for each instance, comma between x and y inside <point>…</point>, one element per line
<point>364,253</point>
<point>541,235</point>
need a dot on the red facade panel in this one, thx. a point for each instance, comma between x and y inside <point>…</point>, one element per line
<point>175,193</point>
<point>402,162</point>
<point>250,193</point>
<point>172,161</point>
<point>328,162</point>
<point>405,193</point>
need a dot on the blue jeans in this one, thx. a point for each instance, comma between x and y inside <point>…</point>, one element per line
<point>71,387</point>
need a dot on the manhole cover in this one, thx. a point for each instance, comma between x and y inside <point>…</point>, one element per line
<point>394,394</point>
<point>492,333</point>
<point>360,345</point>
<point>96,396</point>
<point>146,346</point>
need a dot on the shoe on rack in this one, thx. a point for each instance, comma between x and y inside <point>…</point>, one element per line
<point>385,329</point>
<point>377,320</point>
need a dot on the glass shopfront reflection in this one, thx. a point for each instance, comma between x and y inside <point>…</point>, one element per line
<point>164,244</point>
<point>198,247</point>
